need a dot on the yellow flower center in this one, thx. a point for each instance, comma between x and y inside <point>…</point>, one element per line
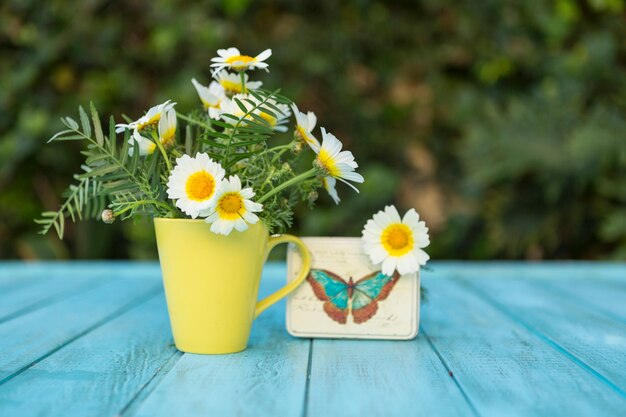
<point>240,62</point>
<point>167,139</point>
<point>328,163</point>
<point>153,121</point>
<point>231,86</point>
<point>230,205</point>
<point>200,186</point>
<point>304,135</point>
<point>397,239</point>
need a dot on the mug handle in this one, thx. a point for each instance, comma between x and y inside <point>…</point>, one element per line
<point>292,285</point>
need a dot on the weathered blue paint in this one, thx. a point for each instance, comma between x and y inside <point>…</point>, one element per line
<point>505,338</point>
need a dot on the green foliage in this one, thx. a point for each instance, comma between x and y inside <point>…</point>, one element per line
<point>135,184</point>
<point>408,86</point>
<point>528,160</point>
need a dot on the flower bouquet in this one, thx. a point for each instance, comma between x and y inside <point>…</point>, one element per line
<point>216,186</point>
<point>220,166</point>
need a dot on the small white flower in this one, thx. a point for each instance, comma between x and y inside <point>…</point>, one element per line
<point>305,123</point>
<point>231,83</point>
<point>151,118</point>
<point>336,163</point>
<point>211,97</point>
<point>145,146</point>
<point>394,242</point>
<point>233,208</point>
<point>167,128</point>
<point>329,184</point>
<point>194,183</point>
<point>232,58</point>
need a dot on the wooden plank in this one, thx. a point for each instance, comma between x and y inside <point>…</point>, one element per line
<point>32,336</point>
<point>592,339</point>
<point>267,379</point>
<point>604,295</point>
<point>381,378</point>
<point>40,293</point>
<point>15,272</point>
<point>29,286</point>
<point>604,271</point>
<point>504,368</point>
<point>98,374</point>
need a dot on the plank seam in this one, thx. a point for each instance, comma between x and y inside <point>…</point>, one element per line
<point>146,389</point>
<point>307,384</point>
<point>135,302</point>
<point>450,373</point>
<point>550,342</point>
<point>53,299</point>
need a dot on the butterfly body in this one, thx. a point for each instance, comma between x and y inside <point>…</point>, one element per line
<point>342,297</point>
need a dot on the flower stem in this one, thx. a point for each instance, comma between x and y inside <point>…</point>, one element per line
<point>193,121</point>
<point>144,203</point>
<point>242,75</point>
<point>305,175</point>
<point>162,150</point>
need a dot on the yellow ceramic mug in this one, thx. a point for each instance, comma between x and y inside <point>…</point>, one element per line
<point>211,282</point>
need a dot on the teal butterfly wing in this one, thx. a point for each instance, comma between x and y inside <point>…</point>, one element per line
<point>368,291</point>
<point>332,289</point>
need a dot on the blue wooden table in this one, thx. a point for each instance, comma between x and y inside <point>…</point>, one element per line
<point>496,339</point>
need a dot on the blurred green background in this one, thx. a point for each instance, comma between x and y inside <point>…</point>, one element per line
<point>503,123</point>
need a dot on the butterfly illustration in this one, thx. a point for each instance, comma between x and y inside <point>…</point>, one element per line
<point>360,297</point>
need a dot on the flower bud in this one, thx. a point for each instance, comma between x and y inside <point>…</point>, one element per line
<point>297,147</point>
<point>312,197</point>
<point>107,216</point>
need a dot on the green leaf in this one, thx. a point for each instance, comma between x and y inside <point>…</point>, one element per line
<point>216,134</point>
<point>241,106</point>
<point>97,127</point>
<point>213,143</point>
<point>259,119</point>
<point>69,137</point>
<point>135,158</point>
<point>69,122</point>
<point>63,132</point>
<point>95,172</point>
<point>188,140</point>
<point>112,136</point>
<point>268,104</point>
<point>223,124</point>
<point>84,120</point>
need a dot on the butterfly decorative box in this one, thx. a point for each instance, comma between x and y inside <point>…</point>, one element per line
<point>344,296</point>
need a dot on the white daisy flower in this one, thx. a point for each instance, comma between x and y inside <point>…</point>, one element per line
<point>233,208</point>
<point>151,118</point>
<point>337,163</point>
<point>231,83</point>
<point>194,183</point>
<point>211,97</point>
<point>167,128</point>
<point>232,58</point>
<point>145,146</point>
<point>396,243</point>
<point>305,123</point>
